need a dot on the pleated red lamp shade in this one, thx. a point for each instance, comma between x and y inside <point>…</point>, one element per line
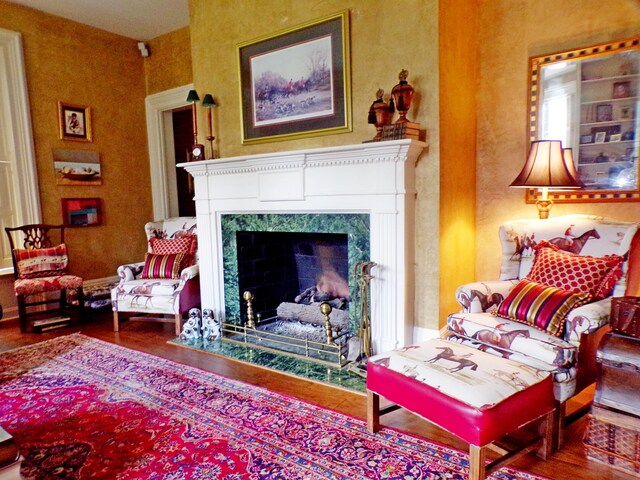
<point>547,168</point>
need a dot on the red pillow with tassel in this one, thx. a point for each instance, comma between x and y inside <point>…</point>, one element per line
<point>594,276</point>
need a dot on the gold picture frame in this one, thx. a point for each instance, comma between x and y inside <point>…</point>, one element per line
<point>598,110</point>
<point>296,83</point>
<point>74,122</point>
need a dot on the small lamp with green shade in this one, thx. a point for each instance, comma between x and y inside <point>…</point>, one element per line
<point>196,151</point>
<point>209,103</point>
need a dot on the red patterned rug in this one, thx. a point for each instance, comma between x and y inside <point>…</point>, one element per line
<point>83,408</point>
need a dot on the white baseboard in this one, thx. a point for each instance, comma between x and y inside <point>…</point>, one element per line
<point>10,313</point>
<point>422,334</point>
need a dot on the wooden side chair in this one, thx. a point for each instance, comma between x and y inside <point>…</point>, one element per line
<point>40,264</point>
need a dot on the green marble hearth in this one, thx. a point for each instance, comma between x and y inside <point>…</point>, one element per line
<point>309,370</point>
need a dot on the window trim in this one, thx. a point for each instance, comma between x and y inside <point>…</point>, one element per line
<point>16,105</point>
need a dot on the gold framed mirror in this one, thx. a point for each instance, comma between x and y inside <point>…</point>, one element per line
<point>589,98</point>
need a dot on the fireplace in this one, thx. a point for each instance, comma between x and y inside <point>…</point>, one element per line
<point>364,191</point>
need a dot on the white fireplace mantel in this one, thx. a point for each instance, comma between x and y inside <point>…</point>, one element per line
<point>376,178</point>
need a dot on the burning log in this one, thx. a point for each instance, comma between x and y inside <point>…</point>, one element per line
<point>311,314</point>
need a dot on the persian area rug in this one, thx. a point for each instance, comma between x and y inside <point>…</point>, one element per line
<point>81,408</point>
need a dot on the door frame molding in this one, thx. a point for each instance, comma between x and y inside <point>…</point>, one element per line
<point>156,105</point>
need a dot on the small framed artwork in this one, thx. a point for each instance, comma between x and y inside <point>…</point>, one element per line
<point>604,112</point>
<point>621,89</point>
<point>626,112</point>
<point>77,167</point>
<point>74,122</point>
<point>616,137</point>
<point>296,83</point>
<point>600,137</point>
<point>586,139</point>
<point>81,212</point>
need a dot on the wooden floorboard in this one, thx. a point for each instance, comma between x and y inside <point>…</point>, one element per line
<point>569,463</point>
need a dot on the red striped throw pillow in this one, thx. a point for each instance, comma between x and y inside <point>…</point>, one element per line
<point>42,262</point>
<point>162,266</point>
<point>540,306</point>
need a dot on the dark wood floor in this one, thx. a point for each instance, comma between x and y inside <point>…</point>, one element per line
<point>569,463</point>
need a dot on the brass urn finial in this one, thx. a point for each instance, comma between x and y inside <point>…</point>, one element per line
<point>402,95</point>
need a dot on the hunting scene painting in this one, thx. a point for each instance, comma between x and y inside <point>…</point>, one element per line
<point>293,84</point>
<point>296,83</point>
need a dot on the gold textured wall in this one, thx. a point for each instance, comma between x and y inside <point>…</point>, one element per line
<point>81,65</point>
<point>386,36</point>
<point>169,63</point>
<point>511,31</point>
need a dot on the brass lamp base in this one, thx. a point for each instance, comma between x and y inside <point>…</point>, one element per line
<point>544,207</point>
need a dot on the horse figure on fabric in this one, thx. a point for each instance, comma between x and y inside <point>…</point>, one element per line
<point>448,354</point>
<point>577,244</point>
<point>486,300</point>
<point>501,341</point>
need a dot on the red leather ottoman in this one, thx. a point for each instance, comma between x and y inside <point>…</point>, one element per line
<point>474,395</point>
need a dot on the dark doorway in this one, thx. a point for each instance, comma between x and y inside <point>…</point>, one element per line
<point>183,139</point>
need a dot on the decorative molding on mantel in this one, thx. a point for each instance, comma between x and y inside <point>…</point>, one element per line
<point>374,152</point>
<point>376,178</point>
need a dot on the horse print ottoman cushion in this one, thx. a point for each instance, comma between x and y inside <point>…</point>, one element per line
<point>474,395</point>
<point>478,379</point>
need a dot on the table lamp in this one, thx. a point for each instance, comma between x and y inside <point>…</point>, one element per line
<point>547,167</point>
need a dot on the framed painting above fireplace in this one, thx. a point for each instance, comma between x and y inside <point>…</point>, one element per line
<point>296,83</point>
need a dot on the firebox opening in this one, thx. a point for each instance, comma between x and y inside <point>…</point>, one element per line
<point>291,273</point>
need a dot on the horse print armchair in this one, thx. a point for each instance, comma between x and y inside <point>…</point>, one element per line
<point>167,282</point>
<point>550,307</point>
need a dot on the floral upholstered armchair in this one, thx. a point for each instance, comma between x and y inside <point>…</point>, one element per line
<point>550,307</point>
<point>167,282</point>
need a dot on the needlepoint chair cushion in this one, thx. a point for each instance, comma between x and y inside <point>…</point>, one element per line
<point>541,306</point>
<point>30,286</point>
<point>42,262</point>
<point>162,266</point>
<point>595,276</point>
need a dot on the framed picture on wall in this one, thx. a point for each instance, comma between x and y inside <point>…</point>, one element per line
<point>81,212</point>
<point>74,122</point>
<point>296,83</point>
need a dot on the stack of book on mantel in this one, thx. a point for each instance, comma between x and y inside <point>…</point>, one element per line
<point>10,459</point>
<point>397,131</point>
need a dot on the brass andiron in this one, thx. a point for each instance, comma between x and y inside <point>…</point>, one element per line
<point>325,309</point>
<point>402,95</point>
<point>248,297</point>
<point>380,114</point>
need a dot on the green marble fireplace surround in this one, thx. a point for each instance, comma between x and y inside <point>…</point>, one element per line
<point>354,225</point>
